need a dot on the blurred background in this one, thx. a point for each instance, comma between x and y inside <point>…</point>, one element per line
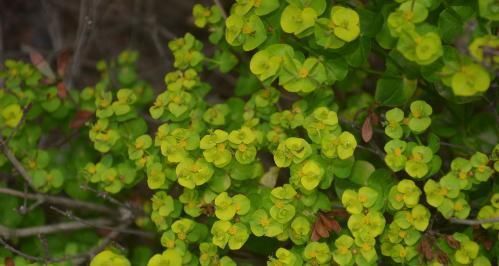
<point>91,30</point>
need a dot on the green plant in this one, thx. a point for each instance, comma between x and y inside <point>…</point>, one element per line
<point>357,133</point>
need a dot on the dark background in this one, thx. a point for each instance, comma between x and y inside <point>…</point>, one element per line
<point>91,30</point>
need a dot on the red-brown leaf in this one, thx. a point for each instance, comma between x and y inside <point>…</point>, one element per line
<point>8,261</point>
<point>442,258</point>
<point>374,118</point>
<point>425,249</point>
<point>80,118</point>
<point>315,236</point>
<point>367,129</point>
<point>330,224</point>
<point>452,242</point>
<point>61,90</point>
<point>63,62</point>
<point>41,64</point>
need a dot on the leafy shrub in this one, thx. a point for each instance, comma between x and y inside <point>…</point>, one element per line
<point>358,133</point>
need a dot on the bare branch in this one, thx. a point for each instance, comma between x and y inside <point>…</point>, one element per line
<point>474,222</point>
<point>15,162</point>
<point>51,228</point>
<point>67,202</point>
<point>71,216</point>
<point>219,4</point>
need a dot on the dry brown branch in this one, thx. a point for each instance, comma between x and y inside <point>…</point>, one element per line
<point>8,233</point>
<point>67,202</point>
<point>474,222</point>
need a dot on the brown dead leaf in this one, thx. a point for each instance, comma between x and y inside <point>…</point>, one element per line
<point>80,118</point>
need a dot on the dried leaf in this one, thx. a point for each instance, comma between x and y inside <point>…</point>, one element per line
<point>367,130</point>
<point>41,64</point>
<point>442,258</point>
<point>452,242</point>
<point>61,90</point>
<point>8,261</point>
<point>80,118</point>
<point>425,248</point>
<point>330,224</point>
<point>315,236</point>
<point>63,62</point>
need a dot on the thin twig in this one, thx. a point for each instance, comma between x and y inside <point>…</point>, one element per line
<point>15,162</point>
<point>474,222</point>
<point>71,216</point>
<point>219,4</point>
<point>51,228</point>
<point>67,202</point>
<point>85,24</point>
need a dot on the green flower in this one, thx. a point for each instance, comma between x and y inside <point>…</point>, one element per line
<point>471,79</point>
<point>405,193</point>
<point>45,180</point>
<point>404,18</point>
<point>243,141</point>
<point>305,77</point>
<point>126,99</point>
<point>309,173</point>
<point>345,23</point>
<point>224,232</point>
<point>292,150</point>
<point>204,15</point>
<point>182,80</point>
<point>355,202</point>
<point>262,224</point>
<point>317,253</point>
<point>420,120</point>
<point>155,176</point>
<point>417,165</point>
<point>192,173</point>
<point>169,257</point>
<point>261,8</point>
<point>342,146</point>
<point>423,49</point>
<point>418,218</point>
<point>285,257</point>
<point>408,236</point>
<point>108,257</point>
<point>177,144</point>
<point>479,46</point>
<point>447,187</point>
<point>320,123</point>
<point>12,115</point>
<point>395,157</point>
<point>137,150</point>
<point>216,114</point>
<point>488,212</point>
<point>393,128</point>
<point>468,249</point>
<point>297,20</point>
<point>366,225</point>
<point>300,230</point>
<point>248,31</point>
<point>216,150</point>
<point>482,172</point>
<point>488,9</point>
<point>227,207</point>
<point>403,254</point>
<point>103,135</point>
<point>282,212</point>
<point>266,63</point>
<point>461,169</point>
<point>359,251</point>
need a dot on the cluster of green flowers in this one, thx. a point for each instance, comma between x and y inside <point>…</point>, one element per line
<point>417,160</point>
<point>447,195</point>
<point>271,163</point>
<point>119,128</point>
<point>409,221</point>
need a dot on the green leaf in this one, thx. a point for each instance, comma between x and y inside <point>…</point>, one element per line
<point>361,172</point>
<point>393,91</point>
